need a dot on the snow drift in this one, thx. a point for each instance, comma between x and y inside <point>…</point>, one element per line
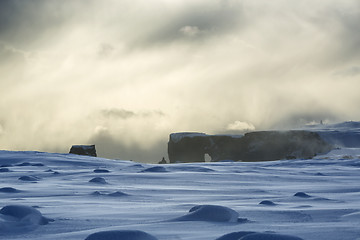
<point>308,199</point>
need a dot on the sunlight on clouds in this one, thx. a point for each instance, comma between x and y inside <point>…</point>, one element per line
<point>123,76</point>
<point>240,126</point>
<point>190,31</point>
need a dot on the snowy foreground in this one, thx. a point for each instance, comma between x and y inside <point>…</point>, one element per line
<point>64,196</point>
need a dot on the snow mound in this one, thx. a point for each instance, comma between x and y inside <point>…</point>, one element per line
<point>155,169</point>
<point>302,195</point>
<point>24,164</point>
<point>101,171</point>
<point>267,202</point>
<point>99,180</point>
<point>211,213</point>
<point>24,214</point>
<point>37,165</point>
<point>191,169</point>
<point>18,218</point>
<point>9,190</point>
<point>6,165</point>
<point>29,178</point>
<point>268,236</point>
<point>114,194</point>
<point>118,194</point>
<point>234,235</point>
<point>121,235</point>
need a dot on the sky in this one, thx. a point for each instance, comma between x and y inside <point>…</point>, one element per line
<point>124,74</point>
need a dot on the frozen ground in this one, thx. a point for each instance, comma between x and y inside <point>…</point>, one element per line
<point>64,196</point>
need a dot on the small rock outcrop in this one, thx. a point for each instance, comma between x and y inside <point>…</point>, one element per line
<point>163,161</point>
<point>253,146</point>
<point>88,150</point>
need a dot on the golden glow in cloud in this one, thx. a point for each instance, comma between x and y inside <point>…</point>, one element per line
<point>124,74</point>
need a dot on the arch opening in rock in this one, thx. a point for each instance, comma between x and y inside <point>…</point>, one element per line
<point>207,158</point>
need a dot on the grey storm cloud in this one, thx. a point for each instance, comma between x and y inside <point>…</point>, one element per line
<point>349,72</point>
<point>33,19</point>
<point>124,74</point>
<point>11,56</point>
<point>199,21</point>
<point>350,37</point>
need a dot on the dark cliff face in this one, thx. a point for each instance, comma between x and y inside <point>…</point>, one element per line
<point>275,145</point>
<point>188,149</point>
<point>254,146</point>
<point>88,150</point>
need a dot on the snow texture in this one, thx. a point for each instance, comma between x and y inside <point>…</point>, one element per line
<point>310,199</point>
<point>121,235</point>
<point>211,213</point>
<point>14,218</point>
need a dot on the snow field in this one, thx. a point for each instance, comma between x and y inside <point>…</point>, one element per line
<point>282,200</point>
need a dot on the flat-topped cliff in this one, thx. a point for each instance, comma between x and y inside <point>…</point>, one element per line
<point>253,146</point>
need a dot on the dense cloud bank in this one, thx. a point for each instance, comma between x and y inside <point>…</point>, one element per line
<point>127,73</point>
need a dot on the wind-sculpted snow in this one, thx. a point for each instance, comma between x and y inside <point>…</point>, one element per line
<point>101,171</point>
<point>23,214</point>
<point>121,235</point>
<point>354,217</point>
<point>29,178</point>
<point>256,236</point>
<point>309,199</point>
<point>17,218</point>
<point>345,134</point>
<point>113,194</point>
<point>302,195</point>
<point>155,169</point>
<point>268,236</point>
<point>9,190</point>
<point>234,235</point>
<point>98,180</point>
<point>211,213</point>
<point>267,202</point>
<point>190,168</point>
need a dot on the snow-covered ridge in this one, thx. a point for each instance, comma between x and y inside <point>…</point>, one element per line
<point>345,134</point>
<point>349,125</point>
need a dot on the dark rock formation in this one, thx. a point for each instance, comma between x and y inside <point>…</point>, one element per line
<point>188,147</point>
<point>88,150</point>
<point>254,146</point>
<point>163,161</point>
